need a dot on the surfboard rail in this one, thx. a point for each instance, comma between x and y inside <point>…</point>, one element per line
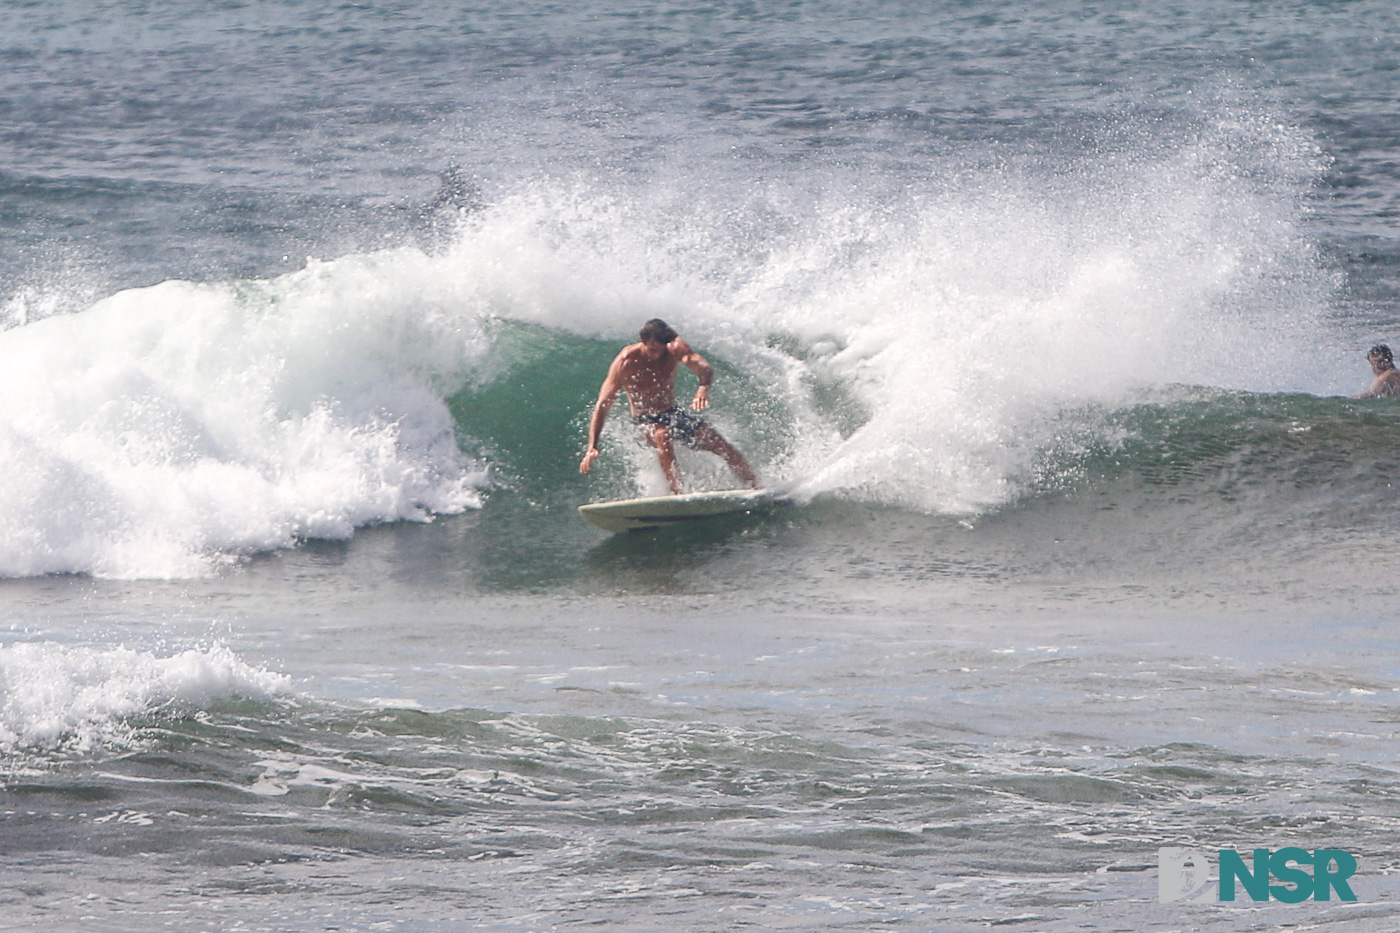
<point>660,511</point>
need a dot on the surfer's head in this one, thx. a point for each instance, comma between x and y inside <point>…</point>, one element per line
<point>658,331</point>
<point>1380,357</point>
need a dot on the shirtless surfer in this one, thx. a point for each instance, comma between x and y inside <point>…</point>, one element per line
<point>1387,378</point>
<point>646,371</point>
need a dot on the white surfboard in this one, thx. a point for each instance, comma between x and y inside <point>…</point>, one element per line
<point>627,514</point>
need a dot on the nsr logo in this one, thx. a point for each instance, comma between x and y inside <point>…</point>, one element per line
<point>1182,874</point>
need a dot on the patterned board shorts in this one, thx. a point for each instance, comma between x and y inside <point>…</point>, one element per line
<point>682,424</point>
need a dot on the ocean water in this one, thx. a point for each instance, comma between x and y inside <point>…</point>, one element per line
<point>1045,316</point>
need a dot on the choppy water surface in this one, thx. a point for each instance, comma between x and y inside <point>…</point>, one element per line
<point>1044,315</point>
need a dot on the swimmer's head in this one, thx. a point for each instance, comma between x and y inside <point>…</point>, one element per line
<point>1380,353</point>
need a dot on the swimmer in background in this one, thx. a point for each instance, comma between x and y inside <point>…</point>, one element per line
<point>646,371</point>
<point>1387,382</point>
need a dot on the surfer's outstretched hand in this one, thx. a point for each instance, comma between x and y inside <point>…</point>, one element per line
<point>702,399</point>
<point>593,454</point>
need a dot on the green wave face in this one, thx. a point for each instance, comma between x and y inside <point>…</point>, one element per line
<point>1179,484</point>
<point>527,414</point>
<point>1231,447</point>
<point>527,408</point>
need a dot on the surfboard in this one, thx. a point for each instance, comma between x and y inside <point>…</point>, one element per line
<point>659,511</point>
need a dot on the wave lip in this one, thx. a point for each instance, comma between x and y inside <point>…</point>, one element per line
<point>167,430</point>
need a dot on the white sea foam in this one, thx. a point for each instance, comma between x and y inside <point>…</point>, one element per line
<point>53,695</point>
<point>966,314</point>
<point>166,429</point>
<point>971,318</point>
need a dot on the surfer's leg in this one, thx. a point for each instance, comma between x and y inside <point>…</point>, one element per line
<point>708,439</point>
<point>660,438</point>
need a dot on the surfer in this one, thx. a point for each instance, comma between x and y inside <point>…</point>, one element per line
<point>1387,377</point>
<point>646,371</point>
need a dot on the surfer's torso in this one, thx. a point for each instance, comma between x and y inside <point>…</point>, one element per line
<point>650,380</point>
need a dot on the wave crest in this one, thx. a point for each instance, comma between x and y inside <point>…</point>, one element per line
<point>53,696</point>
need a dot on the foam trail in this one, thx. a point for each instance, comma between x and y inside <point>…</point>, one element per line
<point>55,696</point>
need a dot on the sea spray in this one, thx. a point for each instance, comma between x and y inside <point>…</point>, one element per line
<point>921,344</point>
<point>967,322</point>
<point>915,346</point>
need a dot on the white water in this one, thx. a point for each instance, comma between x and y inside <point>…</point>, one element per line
<point>829,718</point>
<point>169,429</point>
<point>54,696</point>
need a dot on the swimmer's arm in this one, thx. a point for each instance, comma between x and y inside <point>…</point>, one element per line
<point>1379,389</point>
<point>701,367</point>
<point>612,384</point>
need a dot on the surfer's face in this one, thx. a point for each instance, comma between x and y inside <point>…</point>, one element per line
<point>654,349</point>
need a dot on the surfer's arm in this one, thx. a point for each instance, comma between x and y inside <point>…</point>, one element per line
<point>606,396</point>
<point>701,367</point>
